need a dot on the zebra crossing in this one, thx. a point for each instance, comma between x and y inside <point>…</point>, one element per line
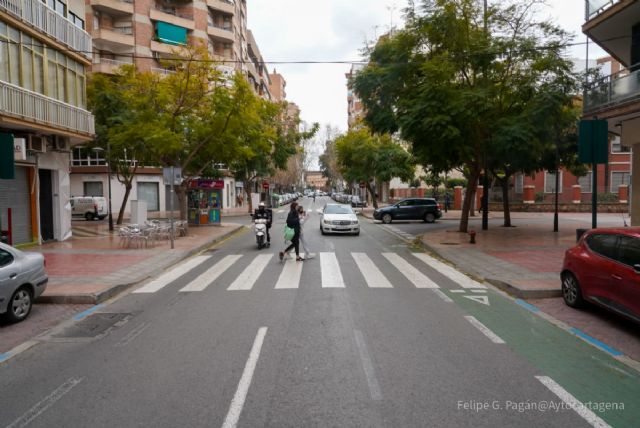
<point>291,272</point>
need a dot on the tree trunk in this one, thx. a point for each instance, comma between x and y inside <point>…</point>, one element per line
<point>181,193</point>
<point>127,191</point>
<point>247,192</point>
<point>466,205</point>
<point>374,200</point>
<point>505,201</point>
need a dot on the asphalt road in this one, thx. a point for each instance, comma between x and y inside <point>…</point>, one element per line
<point>357,336</point>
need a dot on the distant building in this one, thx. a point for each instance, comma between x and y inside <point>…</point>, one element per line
<point>355,109</point>
<point>315,179</point>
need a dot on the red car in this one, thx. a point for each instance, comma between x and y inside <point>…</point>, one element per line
<point>604,268</point>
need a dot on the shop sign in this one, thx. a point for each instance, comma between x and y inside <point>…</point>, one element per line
<point>20,148</point>
<point>206,184</point>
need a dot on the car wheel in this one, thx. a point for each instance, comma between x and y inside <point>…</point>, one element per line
<point>429,217</point>
<point>19,305</point>
<point>357,233</point>
<point>88,216</point>
<point>571,292</point>
<point>386,219</point>
<point>322,231</point>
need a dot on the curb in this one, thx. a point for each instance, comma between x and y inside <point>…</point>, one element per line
<point>502,285</point>
<point>94,299</point>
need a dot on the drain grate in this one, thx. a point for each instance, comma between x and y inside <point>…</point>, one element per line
<point>93,326</point>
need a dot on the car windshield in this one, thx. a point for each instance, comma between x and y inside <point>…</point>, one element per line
<point>338,209</point>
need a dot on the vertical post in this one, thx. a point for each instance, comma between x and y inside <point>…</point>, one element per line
<point>485,179</point>
<point>594,196</point>
<point>171,208</point>
<point>109,184</point>
<point>557,190</point>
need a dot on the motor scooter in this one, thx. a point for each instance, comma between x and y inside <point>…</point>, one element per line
<point>260,229</point>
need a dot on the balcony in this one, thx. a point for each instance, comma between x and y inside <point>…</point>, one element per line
<point>114,7</point>
<point>222,6</point>
<point>172,16</point>
<point>39,109</point>
<point>46,20</point>
<point>113,38</point>
<point>609,24</point>
<point>108,66</point>
<point>613,92</point>
<point>220,34</point>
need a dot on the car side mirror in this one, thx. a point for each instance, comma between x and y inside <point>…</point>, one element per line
<point>636,268</point>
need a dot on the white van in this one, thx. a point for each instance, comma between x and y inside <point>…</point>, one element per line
<point>89,207</point>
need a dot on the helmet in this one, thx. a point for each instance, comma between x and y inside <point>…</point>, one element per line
<point>261,205</point>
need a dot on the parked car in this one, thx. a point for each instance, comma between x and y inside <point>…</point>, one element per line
<point>357,202</point>
<point>339,218</point>
<point>89,207</point>
<point>425,209</point>
<point>22,279</point>
<point>604,268</point>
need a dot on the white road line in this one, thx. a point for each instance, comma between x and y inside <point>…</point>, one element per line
<point>250,275</point>
<point>43,405</point>
<point>416,277</point>
<point>463,280</point>
<point>172,275</point>
<point>442,295</point>
<point>458,291</point>
<point>235,409</point>
<point>203,280</point>
<point>477,324</point>
<point>573,402</point>
<point>280,211</point>
<point>290,275</point>
<point>319,210</point>
<point>367,365</point>
<point>331,275</point>
<point>135,332</point>
<point>371,273</point>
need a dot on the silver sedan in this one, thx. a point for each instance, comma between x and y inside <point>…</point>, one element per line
<point>22,279</point>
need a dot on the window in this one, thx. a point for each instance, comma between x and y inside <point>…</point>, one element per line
<point>618,178</point>
<point>629,250</point>
<point>77,21</point>
<point>618,147</point>
<point>169,33</point>
<point>149,192</point>
<point>605,245</point>
<point>550,182</point>
<point>93,188</point>
<point>5,258</point>
<point>585,182</point>
<point>519,183</point>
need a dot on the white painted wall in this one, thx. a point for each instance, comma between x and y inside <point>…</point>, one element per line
<point>58,162</point>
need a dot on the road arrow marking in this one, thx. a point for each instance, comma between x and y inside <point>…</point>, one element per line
<point>480,299</point>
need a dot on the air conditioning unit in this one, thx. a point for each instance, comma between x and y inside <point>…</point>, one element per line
<point>37,144</point>
<point>60,143</point>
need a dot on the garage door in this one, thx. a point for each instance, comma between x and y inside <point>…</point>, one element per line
<point>14,194</point>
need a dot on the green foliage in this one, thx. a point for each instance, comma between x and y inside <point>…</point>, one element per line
<point>608,197</point>
<point>450,183</point>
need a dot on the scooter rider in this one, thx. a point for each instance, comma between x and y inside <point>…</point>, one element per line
<point>265,213</point>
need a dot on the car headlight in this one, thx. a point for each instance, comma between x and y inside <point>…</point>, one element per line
<point>354,222</point>
<point>326,221</point>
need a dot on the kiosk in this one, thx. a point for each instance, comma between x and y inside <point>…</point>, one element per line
<point>204,201</point>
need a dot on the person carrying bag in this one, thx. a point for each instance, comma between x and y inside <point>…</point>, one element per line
<point>293,222</point>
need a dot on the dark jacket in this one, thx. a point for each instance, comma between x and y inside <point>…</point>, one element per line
<point>293,220</point>
<point>265,214</point>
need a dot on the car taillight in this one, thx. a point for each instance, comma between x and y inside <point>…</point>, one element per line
<point>438,206</point>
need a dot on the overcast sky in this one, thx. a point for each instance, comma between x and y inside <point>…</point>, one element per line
<point>336,30</point>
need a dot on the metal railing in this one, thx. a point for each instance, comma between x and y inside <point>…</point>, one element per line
<point>31,106</point>
<point>163,71</point>
<point>113,62</point>
<point>613,89</point>
<point>45,19</point>
<point>172,11</point>
<point>595,7</point>
<point>124,30</point>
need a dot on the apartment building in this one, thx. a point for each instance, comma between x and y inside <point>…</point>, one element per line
<point>355,109</point>
<point>44,55</point>
<point>615,26</point>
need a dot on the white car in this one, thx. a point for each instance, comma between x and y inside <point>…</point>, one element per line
<point>89,207</point>
<point>22,279</point>
<point>339,218</point>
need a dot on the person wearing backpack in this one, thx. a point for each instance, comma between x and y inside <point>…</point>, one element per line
<point>293,221</point>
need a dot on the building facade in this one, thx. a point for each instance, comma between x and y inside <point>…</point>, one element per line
<point>355,109</point>
<point>614,26</point>
<point>44,57</point>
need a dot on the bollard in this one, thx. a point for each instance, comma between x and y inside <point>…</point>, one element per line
<point>472,237</point>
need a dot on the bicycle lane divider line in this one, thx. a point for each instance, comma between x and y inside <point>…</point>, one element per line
<point>237,404</point>
<point>588,373</point>
<point>91,310</point>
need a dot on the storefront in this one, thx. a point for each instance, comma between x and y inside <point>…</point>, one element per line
<point>205,201</point>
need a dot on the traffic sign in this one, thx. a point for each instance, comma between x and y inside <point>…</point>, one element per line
<point>265,185</point>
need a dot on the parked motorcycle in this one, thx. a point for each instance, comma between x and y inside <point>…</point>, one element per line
<point>260,229</point>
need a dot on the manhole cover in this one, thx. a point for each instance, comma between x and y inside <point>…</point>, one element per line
<point>93,326</point>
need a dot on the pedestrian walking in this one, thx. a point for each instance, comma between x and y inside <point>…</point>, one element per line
<point>293,221</point>
<point>303,218</point>
<point>447,202</point>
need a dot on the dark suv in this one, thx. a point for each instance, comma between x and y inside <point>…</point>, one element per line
<point>426,209</point>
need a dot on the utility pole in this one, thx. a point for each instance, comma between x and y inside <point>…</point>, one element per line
<point>485,176</point>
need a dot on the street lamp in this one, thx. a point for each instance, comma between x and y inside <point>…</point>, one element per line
<point>100,149</point>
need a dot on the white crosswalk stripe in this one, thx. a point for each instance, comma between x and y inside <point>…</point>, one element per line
<point>416,277</point>
<point>290,276</point>
<point>211,274</point>
<point>461,279</point>
<point>331,275</point>
<point>250,275</point>
<point>371,273</point>
<point>170,276</point>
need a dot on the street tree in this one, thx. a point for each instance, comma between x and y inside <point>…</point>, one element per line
<point>455,79</point>
<point>363,157</point>
<point>328,160</point>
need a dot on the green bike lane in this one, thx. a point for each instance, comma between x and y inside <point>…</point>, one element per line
<point>604,385</point>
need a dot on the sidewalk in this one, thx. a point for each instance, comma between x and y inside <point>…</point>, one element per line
<point>91,269</point>
<point>524,260</point>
